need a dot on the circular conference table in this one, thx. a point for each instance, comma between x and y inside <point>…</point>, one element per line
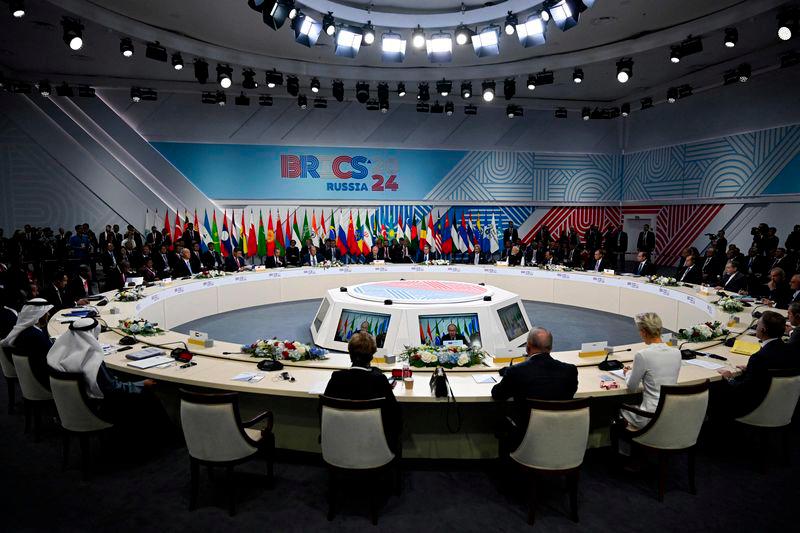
<point>428,422</point>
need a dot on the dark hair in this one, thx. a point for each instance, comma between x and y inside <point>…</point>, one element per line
<point>774,324</point>
<point>361,347</point>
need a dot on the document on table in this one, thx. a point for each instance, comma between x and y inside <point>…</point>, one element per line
<point>249,377</point>
<point>704,364</point>
<point>618,373</point>
<point>484,378</point>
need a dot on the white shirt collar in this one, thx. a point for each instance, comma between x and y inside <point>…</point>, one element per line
<point>767,341</point>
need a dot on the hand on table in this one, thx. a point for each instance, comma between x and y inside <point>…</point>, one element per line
<point>625,370</point>
<point>149,383</point>
<point>727,374</point>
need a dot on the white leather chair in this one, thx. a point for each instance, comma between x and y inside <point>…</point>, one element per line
<point>35,396</point>
<point>77,418</point>
<point>554,444</point>
<point>674,427</point>
<point>216,436</point>
<point>10,373</point>
<point>354,442</point>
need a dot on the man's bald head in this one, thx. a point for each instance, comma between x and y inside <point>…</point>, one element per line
<point>539,340</point>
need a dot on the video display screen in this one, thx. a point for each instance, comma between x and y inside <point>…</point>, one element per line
<point>323,310</point>
<point>437,329</point>
<point>512,320</point>
<point>350,322</point>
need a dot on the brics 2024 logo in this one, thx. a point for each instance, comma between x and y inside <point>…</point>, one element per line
<point>343,172</point>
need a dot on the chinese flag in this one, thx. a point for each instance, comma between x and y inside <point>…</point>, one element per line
<point>352,244</point>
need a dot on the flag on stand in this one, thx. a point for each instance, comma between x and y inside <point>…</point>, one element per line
<point>463,238</point>
<point>341,236</point>
<point>233,232</point>
<point>494,246</point>
<point>296,235</point>
<point>252,239</point>
<point>287,233</point>
<point>176,235</point>
<point>243,244</point>
<point>431,237</point>
<point>447,240</point>
<point>331,228</point>
<point>280,241</point>
<point>167,232</point>
<point>266,241</point>
<point>206,240</point>
<point>359,234</point>
<point>471,232</point>
<point>225,236</point>
<point>458,246</point>
<point>368,240</point>
<point>352,244</point>
<point>423,233</point>
<point>215,232</point>
<point>414,234</point>
<point>306,231</point>
<point>196,223</point>
<point>185,219</point>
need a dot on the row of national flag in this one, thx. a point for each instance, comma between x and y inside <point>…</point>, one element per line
<point>445,234</point>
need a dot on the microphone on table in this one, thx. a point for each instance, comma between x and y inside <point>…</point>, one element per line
<point>611,364</point>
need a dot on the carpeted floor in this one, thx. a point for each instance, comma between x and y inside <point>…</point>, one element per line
<point>138,491</point>
<point>571,326</point>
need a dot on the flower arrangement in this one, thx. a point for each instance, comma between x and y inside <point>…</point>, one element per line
<point>703,332</point>
<point>129,295</point>
<point>664,281</point>
<point>139,326</point>
<point>730,305</point>
<point>208,274</point>
<point>555,268</point>
<point>284,349</point>
<point>446,356</point>
<point>330,264</point>
<point>436,262</point>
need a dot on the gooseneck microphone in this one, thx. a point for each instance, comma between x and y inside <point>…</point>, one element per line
<point>612,364</point>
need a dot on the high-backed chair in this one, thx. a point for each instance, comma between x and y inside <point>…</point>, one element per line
<point>216,436</point>
<point>10,373</point>
<point>35,396</point>
<point>354,441</point>
<point>554,444</point>
<point>77,417</point>
<point>674,427</point>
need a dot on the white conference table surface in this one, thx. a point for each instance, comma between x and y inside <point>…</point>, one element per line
<point>215,369</point>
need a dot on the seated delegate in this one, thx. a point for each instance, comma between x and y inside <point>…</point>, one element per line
<point>29,337</point>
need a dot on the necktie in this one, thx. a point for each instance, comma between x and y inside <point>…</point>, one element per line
<point>189,266</point>
<point>597,265</point>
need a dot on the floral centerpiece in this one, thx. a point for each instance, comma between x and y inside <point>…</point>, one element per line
<point>554,268</point>
<point>446,356</point>
<point>703,332</point>
<point>436,262</point>
<point>730,305</point>
<point>284,350</point>
<point>139,326</point>
<point>664,281</point>
<point>129,295</point>
<point>208,274</point>
<point>330,264</point>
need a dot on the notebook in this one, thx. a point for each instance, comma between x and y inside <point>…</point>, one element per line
<point>144,354</point>
<point>150,362</point>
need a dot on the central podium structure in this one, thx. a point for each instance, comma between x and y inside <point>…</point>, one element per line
<point>413,312</point>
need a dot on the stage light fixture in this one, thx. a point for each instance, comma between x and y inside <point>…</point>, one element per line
<point>368,31</point>
<point>242,99</point>
<point>17,8</point>
<point>337,89</point>
<point>384,107</point>
<point>487,42</point>
<point>423,107</point>
<point>531,82</point>
<point>126,47</point>
<point>689,46</point>
<point>511,23</point>
<point>466,90</point>
<point>513,111</point>
<point>302,101</point>
<point>201,70</point>
<point>362,92</point>
<point>329,24</point>
<point>646,103</point>
<point>401,89</point>
<point>418,37</point>
<point>531,32</point>
<point>291,8</point>
<point>729,77</point>
<point>545,77</point>
<point>273,78</point>
<point>265,100</point>
<point>487,90</point>
<point>372,105</point>
<point>64,90</point>
<point>440,48</point>
<point>577,75</point>
<point>586,113</point>
<point>141,94</point>
<point>221,98</point>
<point>470,109</point>
<point>672,95</point>
<point>136,94</point>
<point>561,112</point>
<point>393,48</point>
<point>509,88</point>
<point>545,15</point>
<point>224,76</point>
<point>790,59</point>
<point>86,91</point>
<point>624,69</point>
<point>156,52</point>
<point>348,41</point>
<point>177,61</point>
<point>731,37</point>
<point>292,85</point>
<point>383,91</point>
<point>314,85</point>
<point>787,24</point>
<point>208,97</point>
<point>625,110</point>
<point>306,30</point>
<point>423,92</point>
<point>449,109</point>
<point>249,79</point>
<point>444,87</point>
<point>73,33</point>
<point>44,88</point>
<point>675,54</point>
<point>437,108</point>
<point>463,35</point>
<point>565,13</point>
<point>744,72</point>
<point>320,103</point>
<point>274,12</point>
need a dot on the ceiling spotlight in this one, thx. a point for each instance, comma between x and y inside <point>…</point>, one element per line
<point>73,33</point>
<point>302,101</point>
<point>314,85</point>
<point>561,112</point>
<point>423,93</point>
<point>177,61</point>
<point>292,10</point>
<point>136,94</point>
<point>672,95</point>
<point>393,48</point>
<point>487,42</point>
<point>787,24</point>
<point>564,13</point>
<point>577,75</point>
<point>329,24</point>
<point>221,98</point>
<point>306,30</point>
<point>440,48</point>
<point>275,12</point>
<point>531,32</point>
<point>731,37</point>
<point>369,33</point>
<point>242,99</point>
<point>320,103</point>
<point>265,100</point>
<point>156,51</point>
<point>249,79</point>
<point>200,70</point>
<point>513,111</point>
<point>466,90</point>
<point>273,78</point>
<point>675,54</point>
<point>362,92</point>
<point>511,22</point>
<point>423,107</point>
<point>17,8</point>
<point>624,69</point>
<point>383,92</point>
<point>545,77</point>
<point>470,109</point>
<point>44,88</point>
<point>141,94</point>
<point>463,35</point>
<point>337,89</point>
<point>224,76</point>
<point>509,88</point>
<point>444,87</point>
<point>744,72</point>
<point>384,107</point>
<point>401,89</point>
<point>586,113</point>
<point>348,41</point>
<point>545,14</point>
<point>418,37</point>
<point>487,89</point>
<point>531,82</point>
<point>646,102</point>
<point>692,45</point>
<point>625,110</point>
<point>126,47</point>
<point>372,105</point>
<point>64,90</point>
<point>449,108</point>
<point>292,85</point>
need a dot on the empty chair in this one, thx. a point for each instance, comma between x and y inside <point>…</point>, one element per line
<point>10,373</point>
<point>77,417</point>
<point>354,442</point>
<point>554,444</point>
<point>35,396</point>
<point>216,436</point>
<point>673,427</point>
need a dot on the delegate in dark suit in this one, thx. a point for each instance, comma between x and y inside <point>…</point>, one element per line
<point>734,282</point>
<point>794,339</point>
<point>746,391</point>
<point>690,274</point>
<point>646,241</point>
<point>482,259</point>
<point>293,256</point>
<point>34,344</point>
<point>644,268</point>
<point>234,263</point>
